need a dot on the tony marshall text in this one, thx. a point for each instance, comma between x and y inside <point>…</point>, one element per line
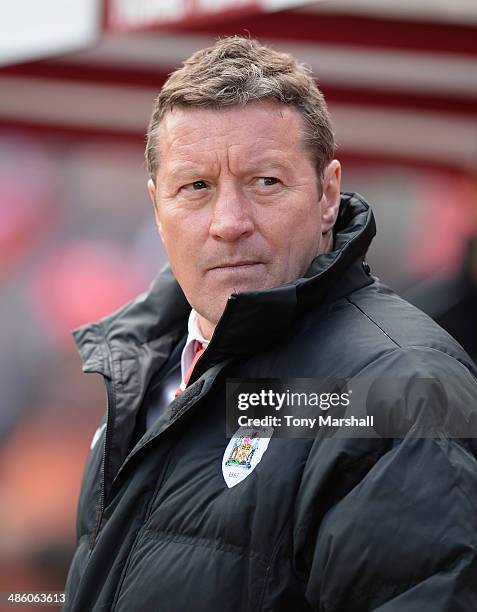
<point>292,421</point>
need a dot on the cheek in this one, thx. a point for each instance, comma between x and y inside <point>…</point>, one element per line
<point>297,226</point>
<point>310,224</point>
<point>301,237</point>
<point>179,249</point>
<point>182,241</point>
<point>178,228</point>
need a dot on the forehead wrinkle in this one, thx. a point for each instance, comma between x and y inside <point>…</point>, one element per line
<point>268,160</point>
<point>230,151</point>
<point>186,167</point>
<point>248,159</point>
<point>174,138</point>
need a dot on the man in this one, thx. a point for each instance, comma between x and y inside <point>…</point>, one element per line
<point>268,281</point>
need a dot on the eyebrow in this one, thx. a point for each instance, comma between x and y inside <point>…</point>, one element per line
<point>182,170</point>
<point>265,162</point>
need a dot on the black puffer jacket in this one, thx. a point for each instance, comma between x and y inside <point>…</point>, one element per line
<point>330,524</point>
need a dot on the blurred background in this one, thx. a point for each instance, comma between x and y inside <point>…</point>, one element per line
<point>77,237</point>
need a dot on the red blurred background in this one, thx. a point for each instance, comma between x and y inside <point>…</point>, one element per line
<point>77,237</point>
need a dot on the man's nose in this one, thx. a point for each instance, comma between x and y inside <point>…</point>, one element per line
<point>232,215</point>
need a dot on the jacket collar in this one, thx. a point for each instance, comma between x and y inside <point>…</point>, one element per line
<point>147,328</point>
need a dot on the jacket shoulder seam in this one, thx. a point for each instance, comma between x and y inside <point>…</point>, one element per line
<point>413,349</point>
<point>418,347</point>
<point>409,346</point>
<point>365,314</point>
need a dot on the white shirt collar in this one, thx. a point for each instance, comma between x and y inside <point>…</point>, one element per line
<point>194,335</point>
<point>194,329</point>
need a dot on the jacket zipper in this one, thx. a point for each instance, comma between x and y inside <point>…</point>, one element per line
<point>111,407</point>
<point>107,443</point>
<point>109,425</point>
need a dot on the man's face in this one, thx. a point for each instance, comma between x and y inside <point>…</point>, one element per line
<point>237,201</point>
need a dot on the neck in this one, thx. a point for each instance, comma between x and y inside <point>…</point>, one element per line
<point>326,244</point>
<point>206,327</point>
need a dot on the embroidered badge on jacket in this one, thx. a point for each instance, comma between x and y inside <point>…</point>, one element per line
<point>244,452</point>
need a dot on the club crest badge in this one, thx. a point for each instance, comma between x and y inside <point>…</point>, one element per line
<point>244,452</point>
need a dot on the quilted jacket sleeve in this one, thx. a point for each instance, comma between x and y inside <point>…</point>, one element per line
<point>398,533</point>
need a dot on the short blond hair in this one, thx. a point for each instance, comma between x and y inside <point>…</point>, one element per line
<point>236,71</point>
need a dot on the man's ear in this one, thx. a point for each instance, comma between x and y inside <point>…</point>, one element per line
<point>330,200</point>
<point>151,188</point>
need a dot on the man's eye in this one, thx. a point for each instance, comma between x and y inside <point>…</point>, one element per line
<point>193,187</point>
<point>266,181</point>
<point>196,185</point>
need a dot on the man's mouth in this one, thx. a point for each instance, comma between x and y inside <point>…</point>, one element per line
<point>236,264</point>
